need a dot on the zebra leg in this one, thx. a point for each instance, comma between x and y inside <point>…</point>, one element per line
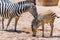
<point>16,20</point>
<point>2,23</point>
<point>52,25</point>
<point>42,29</point>
<point>8,22</point>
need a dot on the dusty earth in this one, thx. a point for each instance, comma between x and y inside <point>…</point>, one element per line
<point>24,31</point>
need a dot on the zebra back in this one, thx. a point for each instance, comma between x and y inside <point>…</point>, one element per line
<point>8,9</point>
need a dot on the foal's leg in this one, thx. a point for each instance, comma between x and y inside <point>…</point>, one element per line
<point>42,29</point>
<point>52,25</point>
<point>2,23</point>
<point>16,20</point>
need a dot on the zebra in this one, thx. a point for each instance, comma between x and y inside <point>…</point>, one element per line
<point>14,10</point>
<point>46,17</point>
<point>7,10</point>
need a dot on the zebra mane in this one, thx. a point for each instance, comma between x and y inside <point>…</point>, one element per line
<point>26,2</point>
<point>23,2</point>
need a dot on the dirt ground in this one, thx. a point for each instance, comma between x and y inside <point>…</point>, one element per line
<point>24,31</point>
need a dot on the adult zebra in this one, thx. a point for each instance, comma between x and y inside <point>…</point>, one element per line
<point>14,10</point>
<point>7,10</point>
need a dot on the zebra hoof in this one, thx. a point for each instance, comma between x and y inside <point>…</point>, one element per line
<point>6,30</point>
<point>34,35</point>
<point>15,30</point>
<point>42,35</point>
<point>2,28</point>
<point>50,35</point>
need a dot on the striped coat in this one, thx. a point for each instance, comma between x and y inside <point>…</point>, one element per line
<point>14,10</point>
<point>7,10</point>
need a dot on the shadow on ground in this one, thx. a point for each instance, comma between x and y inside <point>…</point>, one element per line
<point>17,31</point>
<point>52,37</point>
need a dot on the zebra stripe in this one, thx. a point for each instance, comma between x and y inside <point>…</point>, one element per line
<point>12,10</point>
<point>27,6</point>
<point>7,9</point>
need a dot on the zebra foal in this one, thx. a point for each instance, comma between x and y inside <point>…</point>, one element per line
<point>45,18</point>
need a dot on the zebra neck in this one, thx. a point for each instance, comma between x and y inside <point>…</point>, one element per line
<point>21,9</point>
<point>23,6</point>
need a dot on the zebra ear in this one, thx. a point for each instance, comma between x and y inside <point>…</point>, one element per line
<point>34,3</point>
<point>18,2</point>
